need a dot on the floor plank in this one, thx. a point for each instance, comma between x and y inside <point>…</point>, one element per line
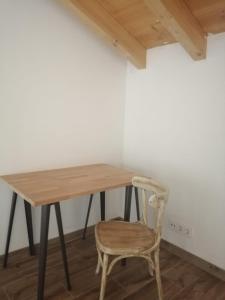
<point>3,295</point>
<point>181,280</point>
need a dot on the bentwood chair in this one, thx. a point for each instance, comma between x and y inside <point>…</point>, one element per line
<point>121,239</point>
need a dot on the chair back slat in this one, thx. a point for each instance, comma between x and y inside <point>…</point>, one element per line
<point>157,199</point>
<point>144,217</point>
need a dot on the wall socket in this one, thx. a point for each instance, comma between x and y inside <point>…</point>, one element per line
<point>180,228</point>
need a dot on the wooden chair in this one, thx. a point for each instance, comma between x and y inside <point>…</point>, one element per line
<point>121,240</point>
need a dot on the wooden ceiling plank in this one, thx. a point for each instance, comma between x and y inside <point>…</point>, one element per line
<point>176,17</point>
<point>210,13</point>
<point>94,14</point>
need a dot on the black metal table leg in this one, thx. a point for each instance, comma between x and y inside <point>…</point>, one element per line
<point>62,241</point>
<point>137,203</point>
<point>11,218</point>
<point>102,205</point>
<point>125,203</point>
<point>28,214</point>
<point>127,210</point>
<point>128,197</point>
<point>87,217</point>
<point>45,213</point>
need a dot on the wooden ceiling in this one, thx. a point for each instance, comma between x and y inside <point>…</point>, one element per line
<point>133,26</point>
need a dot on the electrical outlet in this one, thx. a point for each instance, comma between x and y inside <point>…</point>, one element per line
<point>180,228</point>
<point>172,225</point>
<point>187,231</point>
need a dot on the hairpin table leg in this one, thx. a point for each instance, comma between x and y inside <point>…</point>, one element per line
<point>45,214</point>
<point>11,218</point>
<point>137,203</point>
<point>102,205</point>
<point>62,241</point>
<point>28,214</point>
<point>87,217</point>
<point>127,209</point>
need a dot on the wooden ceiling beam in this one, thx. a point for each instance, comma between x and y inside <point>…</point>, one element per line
<point>94,14</point>
<point>176,17</point>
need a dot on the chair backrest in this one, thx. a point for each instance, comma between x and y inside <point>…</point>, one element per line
<point>157,199</point>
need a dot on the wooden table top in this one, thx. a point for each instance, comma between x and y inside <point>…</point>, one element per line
<point>50,186</point>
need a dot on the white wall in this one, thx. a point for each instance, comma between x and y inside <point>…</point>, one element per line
<point>175,131</point>
<point>62,96</point>
<point>62,93</point>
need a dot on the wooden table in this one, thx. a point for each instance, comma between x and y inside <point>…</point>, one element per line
<point>50,187</point>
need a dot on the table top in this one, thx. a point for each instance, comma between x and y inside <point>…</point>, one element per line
<point>50,186</point>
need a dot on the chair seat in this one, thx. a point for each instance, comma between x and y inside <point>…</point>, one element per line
<point>123,238</point>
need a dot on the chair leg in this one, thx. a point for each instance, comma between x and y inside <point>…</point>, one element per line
<point>150,270</point>
<point>157,274</point>
<point>11,218</point>
<point>99,263</point>
<point>104,276</point>
<point>87,217</point>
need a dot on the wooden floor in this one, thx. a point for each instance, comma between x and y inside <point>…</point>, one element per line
<point>181,281</point>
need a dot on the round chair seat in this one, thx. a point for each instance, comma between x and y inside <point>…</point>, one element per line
<point>123,238</point>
